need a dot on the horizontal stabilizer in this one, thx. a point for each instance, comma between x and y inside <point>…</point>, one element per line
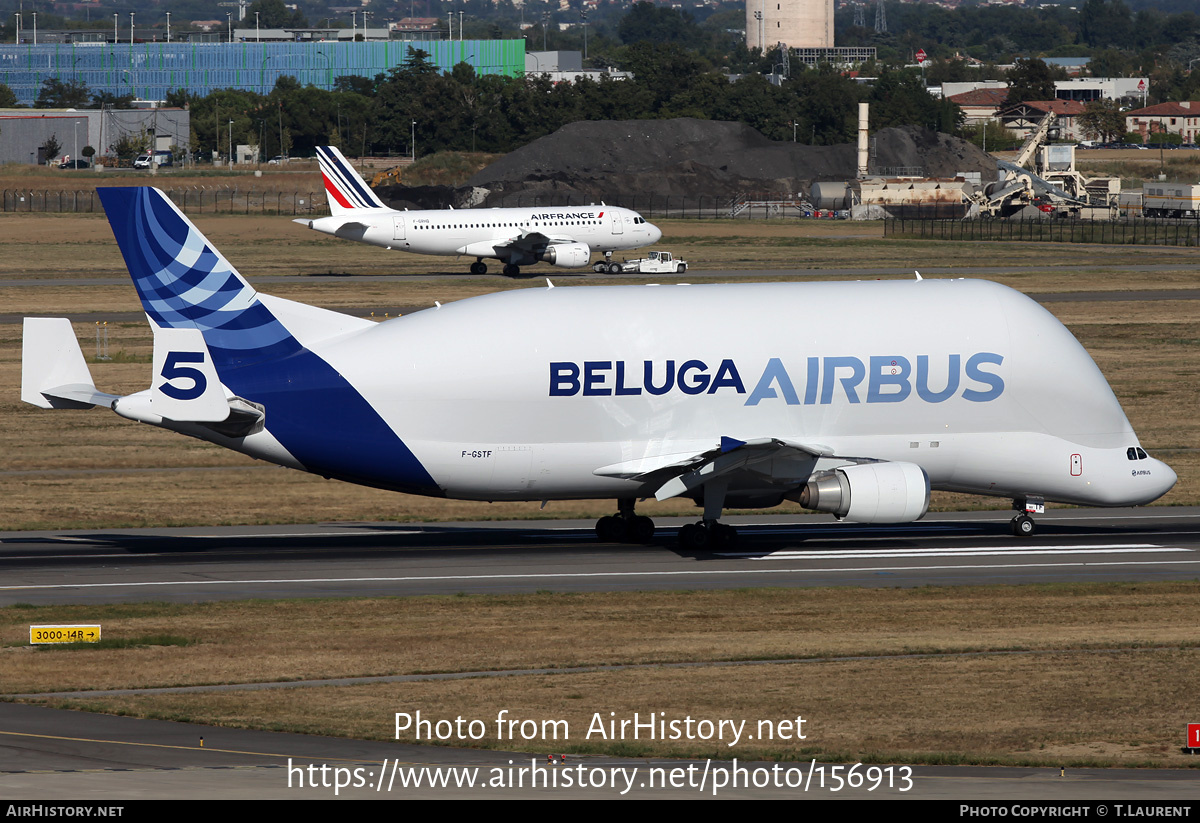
<point>54,374</point>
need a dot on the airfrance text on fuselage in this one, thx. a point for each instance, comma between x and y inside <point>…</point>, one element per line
<point>882,379</point>
<point>585,215</point>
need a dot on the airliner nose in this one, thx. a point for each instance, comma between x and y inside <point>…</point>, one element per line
<point>1164,476</point>
<point>655,232</point>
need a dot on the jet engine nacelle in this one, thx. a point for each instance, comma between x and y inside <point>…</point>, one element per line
<point>568,255</point>
<point>869,493</point>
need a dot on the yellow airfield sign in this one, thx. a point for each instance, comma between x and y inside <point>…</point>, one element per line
<point>77,633</point>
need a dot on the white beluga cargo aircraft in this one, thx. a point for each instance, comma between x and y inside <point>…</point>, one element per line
<point>560,235</point>
<point>853,398</point>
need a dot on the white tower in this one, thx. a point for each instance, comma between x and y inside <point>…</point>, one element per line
<point>805,24</point>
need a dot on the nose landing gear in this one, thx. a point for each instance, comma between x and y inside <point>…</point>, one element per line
<point>1023,525</point>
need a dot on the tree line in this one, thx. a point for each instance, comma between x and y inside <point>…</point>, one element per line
<point>461,110</point>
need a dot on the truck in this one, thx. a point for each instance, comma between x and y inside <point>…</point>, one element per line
<point>161,157</point>
<point>1170,200</point>
<point>655,262</point>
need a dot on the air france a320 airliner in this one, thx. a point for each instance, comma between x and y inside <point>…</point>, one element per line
<point>560,235</point>
<point>852,398</point>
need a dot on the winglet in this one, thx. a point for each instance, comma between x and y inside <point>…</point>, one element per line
<point>728,444</point>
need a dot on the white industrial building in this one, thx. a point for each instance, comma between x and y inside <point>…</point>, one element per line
<point>24,131</point>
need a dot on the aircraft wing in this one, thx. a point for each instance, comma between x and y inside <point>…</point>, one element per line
<point>680,473</point>
<point>529,246</point>
<point>528,241</point>
<point>349,224</point>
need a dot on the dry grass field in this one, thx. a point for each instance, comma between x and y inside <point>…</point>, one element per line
<point>1064,675</point>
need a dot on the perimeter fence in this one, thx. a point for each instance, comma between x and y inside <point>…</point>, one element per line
<point>1138,231</point>
<point>191,201</point>
<point>251,201</point>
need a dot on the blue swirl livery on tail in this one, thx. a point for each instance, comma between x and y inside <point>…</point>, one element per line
<point>184,282</point>
<point>260,346</point>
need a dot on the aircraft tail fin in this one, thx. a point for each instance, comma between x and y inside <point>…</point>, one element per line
<point>346,189</point>
<point>185,283</point>
<point>54,374</point>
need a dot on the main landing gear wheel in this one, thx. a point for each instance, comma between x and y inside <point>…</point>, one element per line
<point>620,528</point>
<point>708,535</point>
<point>479,267</point>
<point>599,267</point>
<point>512,271</point>
<point>614,268</point>
<point>1023,525</point>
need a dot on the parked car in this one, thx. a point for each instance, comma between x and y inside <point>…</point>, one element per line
<point>75,164</point>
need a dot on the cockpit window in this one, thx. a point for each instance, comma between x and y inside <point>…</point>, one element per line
<point>1141,454</point>
<point>1131,453</point>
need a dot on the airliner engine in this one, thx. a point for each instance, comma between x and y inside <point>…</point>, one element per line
<point>869,493</point>
<point>568,255</point>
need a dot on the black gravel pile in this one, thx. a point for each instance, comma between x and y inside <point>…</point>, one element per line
<point>590,161</point>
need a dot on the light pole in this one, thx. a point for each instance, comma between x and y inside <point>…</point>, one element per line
<point>231,145</point>
<point>583,16</point>
<point>328,68</point>
<point>229,22</point>
<point>460,37</point>
<point>414,141</point>
<point>168,27</point>
<point>545,25</point>
<point>131,35</point>
<point>257,37</point>
<point>35,28</point>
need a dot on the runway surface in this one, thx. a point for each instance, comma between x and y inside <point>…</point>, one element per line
<point>368,559</point>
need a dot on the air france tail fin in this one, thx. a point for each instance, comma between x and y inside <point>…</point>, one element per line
<point>346,189</point>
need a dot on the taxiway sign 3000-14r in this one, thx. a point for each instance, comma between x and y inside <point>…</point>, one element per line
<point>850,398</point>
<point>561,236</point>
